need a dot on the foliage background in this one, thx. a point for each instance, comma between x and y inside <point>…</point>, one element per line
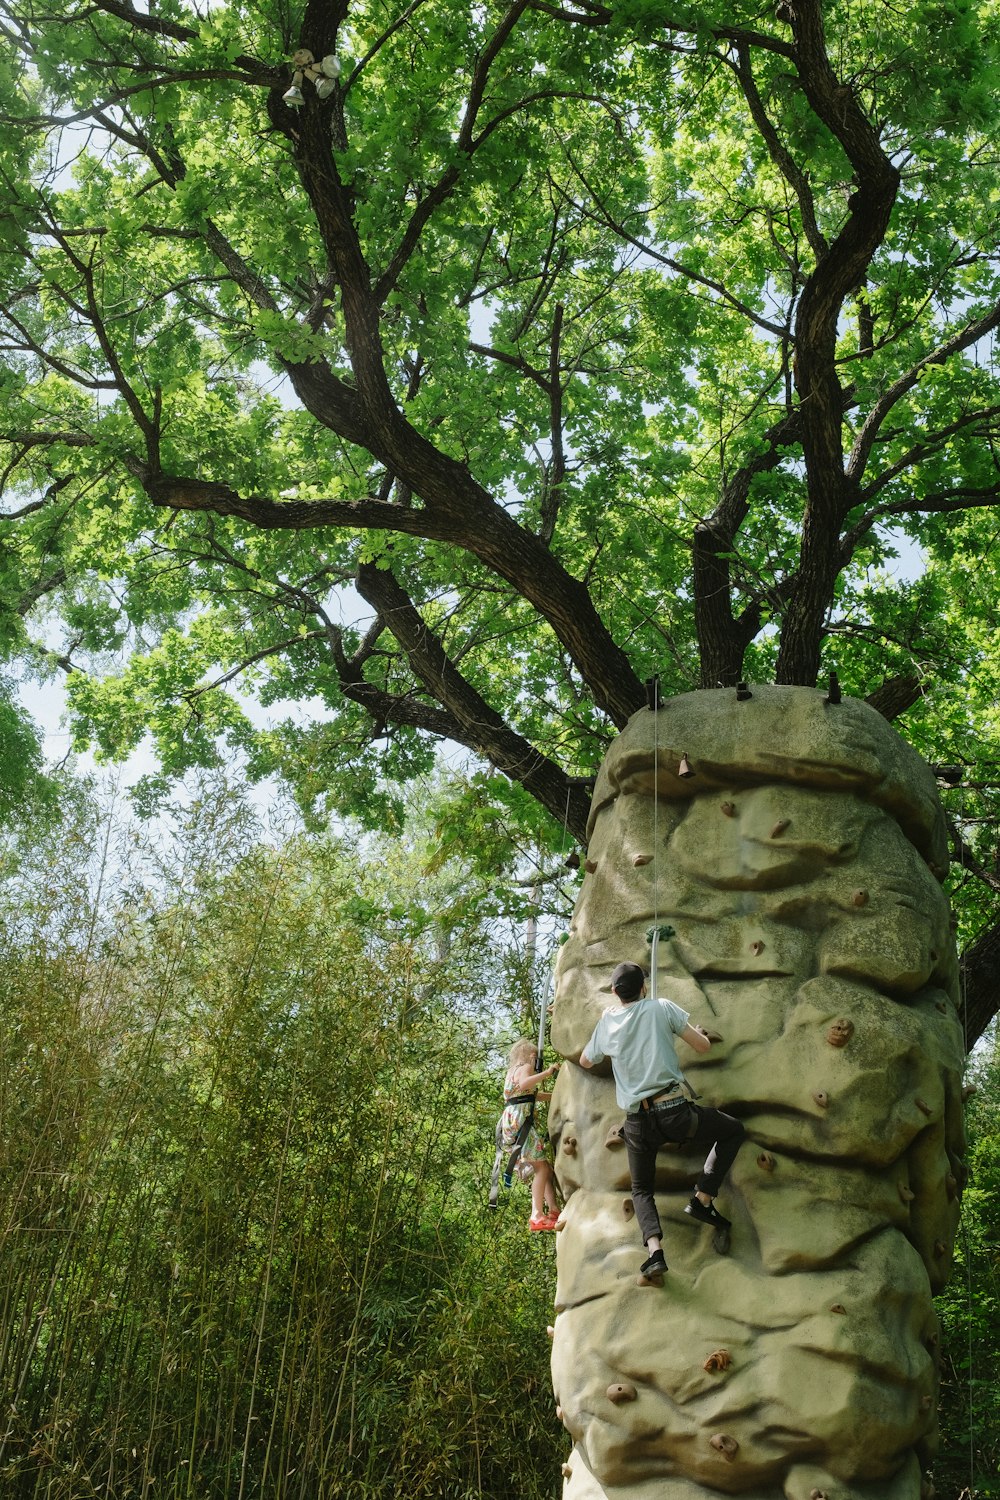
<point>247,1093</point>
<point>970,1305</point>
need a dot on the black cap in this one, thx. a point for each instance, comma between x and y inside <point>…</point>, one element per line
<point>628,980</point>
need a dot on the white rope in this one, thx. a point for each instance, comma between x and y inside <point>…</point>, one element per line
<point>654,946</point>
<point>544,1003</point>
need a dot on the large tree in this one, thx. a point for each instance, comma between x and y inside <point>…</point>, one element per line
<point>557,345</point>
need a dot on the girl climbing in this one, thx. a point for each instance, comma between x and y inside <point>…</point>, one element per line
<point>517,1128</point>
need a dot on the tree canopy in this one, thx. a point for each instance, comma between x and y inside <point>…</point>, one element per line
<point>556,345</point>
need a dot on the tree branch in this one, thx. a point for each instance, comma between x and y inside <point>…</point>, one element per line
<point>465,143</point>
<point>830,492</point>
<point>929,444</point>
<point>483,729</point>
<point>697,278</point>
<point>782,158</point>
<point>964,856</point>
<point>943,502</point>
<point>155,25</point>
<point>722,638</point>
<point>979,968</point>
<point>897,694</point>
<point>515,362</point>
<point>963,339</point>
<point>476,525</point>
<point>556,473</point>
<point>38,590</point>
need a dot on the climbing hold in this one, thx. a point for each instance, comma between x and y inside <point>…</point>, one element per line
<point>559,1413</point>
<point>742,692</point>
<point>951,1187</point>
<point>560,1224</point>
<point>566,1471</point>
<point>926,1402</point>
<point>728,809</point>
<point>569,1145</point>
<point>838,1307</point>
<point>621,1391</point>
<point>726,1445</point>
<point>968,1091</point>
<point>933,955</point>
<point>684,769</point>
<point>550,1331</point>
<point>628,1208</point>
<point>590,865</point>
<point>941,1006</point>
<point>573,861</point>
<point>906,1193</point>
<point>713,1036</point>
<point>615,1137</point>
<point>860,898</point>
<point>933,1339</point>
<point>923,1107</point>
<point>757,948</point>
<point>940,1248</point>
<point>765,1161</point>
<point>780,827</point>
<point>840,1032</point>
<point>817,1495</point>
<point>821,1098</point>
<point>641,859</point>
<point>720,1360</point>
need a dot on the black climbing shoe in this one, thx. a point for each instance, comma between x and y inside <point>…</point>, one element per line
<point>707,1214</point>
<point>655,1266</point>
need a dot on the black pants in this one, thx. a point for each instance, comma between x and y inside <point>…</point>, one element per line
<point>684,1124</point>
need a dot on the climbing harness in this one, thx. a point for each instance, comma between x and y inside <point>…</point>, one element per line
<point>513,1162</point>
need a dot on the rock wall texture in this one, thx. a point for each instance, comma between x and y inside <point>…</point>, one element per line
<point>800,866</point>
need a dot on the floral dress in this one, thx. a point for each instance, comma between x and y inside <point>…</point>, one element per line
<point>513,1117</point>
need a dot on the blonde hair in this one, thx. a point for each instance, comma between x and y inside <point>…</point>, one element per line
<point>521,1052</point>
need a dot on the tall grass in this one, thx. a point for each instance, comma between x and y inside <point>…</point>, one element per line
<point>243,1249</point>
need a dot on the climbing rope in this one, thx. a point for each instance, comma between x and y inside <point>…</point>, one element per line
<point>656,932</point>
<point>655,940</point>
<point>550,986</point>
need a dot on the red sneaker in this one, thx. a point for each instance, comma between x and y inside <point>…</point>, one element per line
<point>547,1221</point>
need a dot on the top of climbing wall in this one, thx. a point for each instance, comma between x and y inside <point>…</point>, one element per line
<point>789,734</point>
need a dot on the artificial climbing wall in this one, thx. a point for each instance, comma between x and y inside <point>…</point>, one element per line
<point>800,866</point>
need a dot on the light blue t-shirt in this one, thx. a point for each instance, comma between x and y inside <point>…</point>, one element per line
<point>639,1039</point>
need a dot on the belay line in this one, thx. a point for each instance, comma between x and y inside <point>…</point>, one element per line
<point>657,933</point>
